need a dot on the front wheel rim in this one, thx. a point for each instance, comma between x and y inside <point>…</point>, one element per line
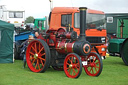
<point>72,66</point>
<point>94,66</point>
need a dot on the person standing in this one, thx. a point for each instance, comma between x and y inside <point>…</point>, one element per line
<point>24,47</point>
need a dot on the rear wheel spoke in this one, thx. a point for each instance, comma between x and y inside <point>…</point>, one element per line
<point>67,63</point>
<point>32,53</point>
<point>41,58</point>
<point>33,61</point>
<point>33,49</point>
<point>67,68</point>
<point>41,50</point>
<point>42,54</point>
<point>38,64</point>
<point>31,58</point>
<point>42,63</point>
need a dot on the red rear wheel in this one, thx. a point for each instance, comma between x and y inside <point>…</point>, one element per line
<point>38,56</point>
<point>72,65</point>
<point>94,64</point>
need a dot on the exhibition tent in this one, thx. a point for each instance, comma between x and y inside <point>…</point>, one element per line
<point>6,42</point>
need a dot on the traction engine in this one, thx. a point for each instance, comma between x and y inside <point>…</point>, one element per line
<point>64,50</point>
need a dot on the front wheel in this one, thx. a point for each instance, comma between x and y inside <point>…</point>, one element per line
<point>72,65</point>
<point>94,64</point>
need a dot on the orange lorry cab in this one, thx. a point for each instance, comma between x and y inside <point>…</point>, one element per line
<point>63,17</point>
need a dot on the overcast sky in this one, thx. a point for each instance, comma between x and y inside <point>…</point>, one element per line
<point>41,8</point>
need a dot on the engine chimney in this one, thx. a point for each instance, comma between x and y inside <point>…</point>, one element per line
<point>81,46</point>
<point>82,35</point>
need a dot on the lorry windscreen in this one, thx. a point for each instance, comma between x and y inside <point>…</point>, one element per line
<point>94,21</point>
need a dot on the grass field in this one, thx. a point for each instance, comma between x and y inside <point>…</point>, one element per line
<point>115,72</point>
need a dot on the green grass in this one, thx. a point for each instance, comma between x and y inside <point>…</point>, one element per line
<point>115,72</point>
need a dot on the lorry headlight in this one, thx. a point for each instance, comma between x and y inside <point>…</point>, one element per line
<point>102,49</point>
<point>103,39</point>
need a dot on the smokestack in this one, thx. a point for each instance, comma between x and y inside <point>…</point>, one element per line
<point>81,46</point>
<point>82,23</point>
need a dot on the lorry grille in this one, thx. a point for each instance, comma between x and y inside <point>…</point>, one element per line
<point>98,40</point>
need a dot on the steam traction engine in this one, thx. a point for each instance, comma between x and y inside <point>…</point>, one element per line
<point>63,50</point>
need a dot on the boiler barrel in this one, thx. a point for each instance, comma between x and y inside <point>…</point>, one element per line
<point>81,48</point>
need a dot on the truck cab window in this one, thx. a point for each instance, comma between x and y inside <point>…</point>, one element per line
<point>66,20</point>
<point>40,23</point>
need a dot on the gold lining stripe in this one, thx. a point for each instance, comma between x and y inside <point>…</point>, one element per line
<point>65,47</point>
<point>58,45</point>
<point>83,9</point>
<point>72,47</point>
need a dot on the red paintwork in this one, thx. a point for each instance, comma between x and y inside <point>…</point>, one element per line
<point>63,47</point>
<point>68,35</point>
<point>60,43</point>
